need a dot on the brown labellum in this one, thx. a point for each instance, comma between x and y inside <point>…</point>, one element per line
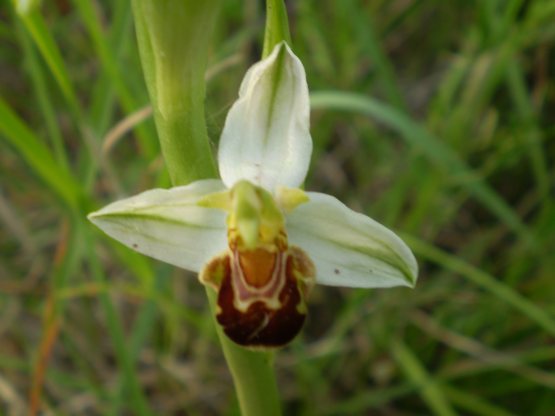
<point>261,295</point>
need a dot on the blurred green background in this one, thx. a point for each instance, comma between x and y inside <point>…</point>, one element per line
<point>435,118</point>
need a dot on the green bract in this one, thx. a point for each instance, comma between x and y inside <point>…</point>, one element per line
<point>255,236</point>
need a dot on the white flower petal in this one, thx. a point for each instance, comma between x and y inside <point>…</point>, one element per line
<point>348,248</point>
<point>266,137</point>
<point>168,225</point>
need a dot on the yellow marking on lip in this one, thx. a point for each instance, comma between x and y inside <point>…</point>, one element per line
<point>257,265</point>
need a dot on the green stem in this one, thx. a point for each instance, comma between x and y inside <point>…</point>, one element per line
<point>252,372</point>
<point>174,40</point>
<point>277,26</point>
<point>174,37</point>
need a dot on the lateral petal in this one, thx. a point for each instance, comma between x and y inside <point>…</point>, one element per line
<point>266,138</point>
<point>168,225</point>
<point>348,248</point>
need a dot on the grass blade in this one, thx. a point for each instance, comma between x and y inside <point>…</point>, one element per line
<point>483,279</point>
<point>431,146</point>
<point>42,37</point>
<point>431,392</point>
<point>38,156</point>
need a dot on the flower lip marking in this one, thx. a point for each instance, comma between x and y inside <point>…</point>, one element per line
<point>261,280</point>
<point>265,320</point>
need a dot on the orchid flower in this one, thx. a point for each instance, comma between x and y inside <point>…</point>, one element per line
<point>255,236</point>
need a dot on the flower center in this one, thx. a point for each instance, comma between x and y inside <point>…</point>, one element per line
<point>262,282</point>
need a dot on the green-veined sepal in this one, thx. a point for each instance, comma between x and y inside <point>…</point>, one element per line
<point>348,248</point>
<point>168,224</point>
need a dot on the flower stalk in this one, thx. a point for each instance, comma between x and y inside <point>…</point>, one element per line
<point>277,26</point>
<point>253,374</point>
<point>173,38</point>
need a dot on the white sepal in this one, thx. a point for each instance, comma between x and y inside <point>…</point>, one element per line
<point>266,137</point>
<point>348,248</point>
<point>168,225</point>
